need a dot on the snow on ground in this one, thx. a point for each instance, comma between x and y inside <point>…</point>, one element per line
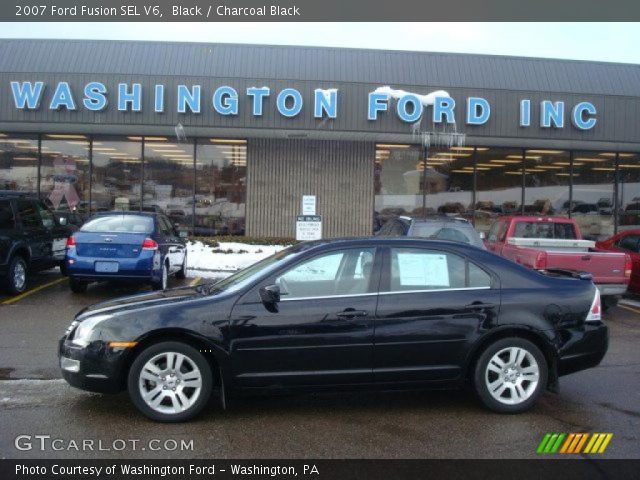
<point>202,261</point>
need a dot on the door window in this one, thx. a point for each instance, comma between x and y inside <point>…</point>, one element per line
<point>46,216</point>
<point>7,221</point>
<point>420,269</point>
<point>28,214</point>
<point>629,242</point>
<point>343,272</point>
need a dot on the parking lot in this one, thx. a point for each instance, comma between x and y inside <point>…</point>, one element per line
<point>35,401</point>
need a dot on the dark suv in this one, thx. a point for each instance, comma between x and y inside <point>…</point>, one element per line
<point>31,238</point>
<point>442,227</point>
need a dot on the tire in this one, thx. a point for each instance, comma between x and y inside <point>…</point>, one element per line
<point>517,369</point>
<point>77,286</point>
<point>164,279</point>
<point>63,268</point>
<point>182,273</point>
<point>169,399</point>
<point>17,275</point>
<point>609,302</point>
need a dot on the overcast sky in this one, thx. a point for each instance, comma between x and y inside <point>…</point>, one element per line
<point>614,42</point>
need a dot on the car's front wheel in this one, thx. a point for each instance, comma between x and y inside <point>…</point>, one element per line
<point>510,375</point>
<point>170,382</point>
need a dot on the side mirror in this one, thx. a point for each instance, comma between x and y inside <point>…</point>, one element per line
<point>270,294</point>
<point>62,221</point>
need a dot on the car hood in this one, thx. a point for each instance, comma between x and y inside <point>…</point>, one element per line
<point>144,300</point>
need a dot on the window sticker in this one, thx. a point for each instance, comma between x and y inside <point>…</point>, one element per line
<point>423,269</point>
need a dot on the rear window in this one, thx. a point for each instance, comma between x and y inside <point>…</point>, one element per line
<point>544,230</point>
<point>119,223</point>
<point>460,234</point>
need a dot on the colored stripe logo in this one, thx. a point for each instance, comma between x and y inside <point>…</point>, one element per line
<point>574,443</point>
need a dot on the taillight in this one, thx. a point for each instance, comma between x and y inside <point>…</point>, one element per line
<point>149,244</point>
<point>71,242</point>
<point>628,266</point>
<point>595,312</point>
<point>541,261</point>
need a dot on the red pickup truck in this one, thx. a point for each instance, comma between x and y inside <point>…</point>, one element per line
<point>547,243</point>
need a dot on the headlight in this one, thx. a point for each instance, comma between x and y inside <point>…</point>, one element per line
<point>85,329</point>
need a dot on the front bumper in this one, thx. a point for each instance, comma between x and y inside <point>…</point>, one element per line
<point>96,368</point>
<point>585,347</point>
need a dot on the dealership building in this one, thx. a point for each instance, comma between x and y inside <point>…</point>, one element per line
<point>227,139</point>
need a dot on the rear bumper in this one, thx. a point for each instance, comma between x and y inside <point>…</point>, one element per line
<point>612,288</point>
<point>585,348</point>
<point>144,268</point>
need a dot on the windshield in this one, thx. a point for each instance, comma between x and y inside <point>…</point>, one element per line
<point>460,234</point>
<point>119,223</point>
<point>249,274</point>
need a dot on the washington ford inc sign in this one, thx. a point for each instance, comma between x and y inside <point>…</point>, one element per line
<point>225,100</point>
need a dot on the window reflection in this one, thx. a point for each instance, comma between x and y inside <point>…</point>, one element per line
<point>168,180</point>
<point>547,175</point>
<point>116,174</point>
<point>64,175</point>
<point>498,184</point>
<point>398,182</point>
<point>18,163</point>
<point>593,182</point>
<point>221,187</point>
<point>628,190</point>
<point>449,181</point>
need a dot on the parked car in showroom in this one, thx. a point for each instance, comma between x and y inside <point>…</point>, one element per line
<point>440,227</point>
<point>374,312</point>
<point>627,241</point>
<point>140,247</point>
<point>32,238</point>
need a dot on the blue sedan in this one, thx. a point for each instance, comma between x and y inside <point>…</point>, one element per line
<point>129,246</point>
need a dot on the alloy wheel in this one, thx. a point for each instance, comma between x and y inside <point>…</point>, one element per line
<point>19,276</point>
<point>512,375</point>
<point>170,383</point>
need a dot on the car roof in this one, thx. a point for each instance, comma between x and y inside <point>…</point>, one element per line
<point>380,241</point>
<point>129,212</point>
<point>442,219</point>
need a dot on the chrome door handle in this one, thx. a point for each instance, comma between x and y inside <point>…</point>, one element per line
<point>350,313</point>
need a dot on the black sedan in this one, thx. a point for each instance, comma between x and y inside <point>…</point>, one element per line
<point>377,312</point>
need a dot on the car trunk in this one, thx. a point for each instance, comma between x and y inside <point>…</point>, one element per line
<point>109,245</point>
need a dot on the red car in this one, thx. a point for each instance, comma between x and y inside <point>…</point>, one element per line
<point>627,241</point>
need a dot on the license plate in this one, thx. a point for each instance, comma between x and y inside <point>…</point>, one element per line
<point>107,267</point>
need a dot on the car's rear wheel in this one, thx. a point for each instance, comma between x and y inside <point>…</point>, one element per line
<point>77,286</point>
<point>17,275</point>
<point>164,279</point>
<point>170,382</point>
<point>510,375</point>
<point>182,273</point>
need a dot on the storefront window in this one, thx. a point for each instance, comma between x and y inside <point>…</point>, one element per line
<point>116,174</point>
<point>547,178</point>
<point>398,182</point>
<point>168,180</point>
<point>498,184</point>
<point>449,181</point>
<point>628,190</point>
<point>18,163</point>
<point>593,193</point>
<point>64,175</point>
<point>221,187</point>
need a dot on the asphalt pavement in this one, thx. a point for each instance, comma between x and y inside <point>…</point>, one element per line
<point>35,401</point>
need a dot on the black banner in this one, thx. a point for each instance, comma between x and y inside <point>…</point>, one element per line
<point>316,11</point>
<point>544,469</point>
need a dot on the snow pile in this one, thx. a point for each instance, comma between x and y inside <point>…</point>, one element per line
<point>204,261</point>
<point>426,100</point>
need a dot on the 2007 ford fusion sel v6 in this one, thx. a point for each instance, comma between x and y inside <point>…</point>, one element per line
<point>377,312</point>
